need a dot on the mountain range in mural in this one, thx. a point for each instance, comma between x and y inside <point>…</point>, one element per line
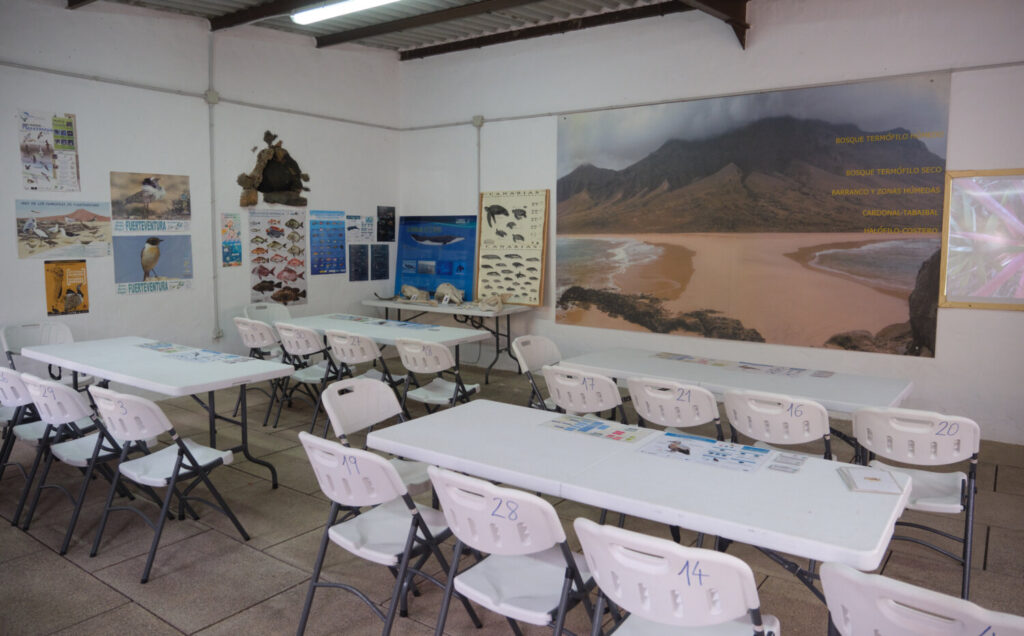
<point>777,174</point>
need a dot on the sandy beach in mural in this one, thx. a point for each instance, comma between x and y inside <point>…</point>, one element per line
<point>775,283</point>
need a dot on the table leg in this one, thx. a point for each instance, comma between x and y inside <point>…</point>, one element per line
<point>498,349</point>
<point>245,443</point>
<point>211,410</point>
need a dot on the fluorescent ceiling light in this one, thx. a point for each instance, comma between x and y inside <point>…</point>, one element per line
<point>328,11</point>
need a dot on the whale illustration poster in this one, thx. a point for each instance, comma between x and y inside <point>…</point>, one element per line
<point>277,255</point>
<point>807,217</point>
<point>513,233</point>
<point>434,250</point>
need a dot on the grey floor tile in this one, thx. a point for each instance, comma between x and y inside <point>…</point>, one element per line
<point>270,516</point>
<point>798,610</point>
<point>129,618</point>
<point>1005,553</point>
<point>293,469</point>
<point>991,590</point>
<point>1000,509</point>
<point>15,544</point>
<point>1010,480</point>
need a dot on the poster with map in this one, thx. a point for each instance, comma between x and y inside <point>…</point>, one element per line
<point>62,229</point>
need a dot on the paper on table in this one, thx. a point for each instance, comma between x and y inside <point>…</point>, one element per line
<point>867,479</point>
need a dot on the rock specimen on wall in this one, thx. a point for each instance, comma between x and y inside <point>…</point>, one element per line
<point>277,175</point>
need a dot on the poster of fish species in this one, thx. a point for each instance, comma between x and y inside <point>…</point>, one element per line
<point>358,262</point>
<point>231,239</point>
<point>326,242</point>
<point>434,250</point>
<point>359,228</point>
<point>67,287</point>
<point>48,146</point>
<point>277,255</point>
<point>385,223</point>
<point>380,261</point>
<point>513,228</point>
<point>62,229</point>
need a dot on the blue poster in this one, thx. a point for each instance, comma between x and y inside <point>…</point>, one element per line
<point>326,242</point>
<point>434,250</point>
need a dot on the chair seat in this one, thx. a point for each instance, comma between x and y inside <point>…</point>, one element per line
<point>414,475</point>
<point>310,375</point>
<point>549,404</point>
<point>379,535</point>
<point>439,391</point>
<point>84,379</point>
<point>931,491</point>
<point>156,468</point>
<point>376,374</point>
<point>7,413</point>
<point>77,452</point>
<point>32,433</point>
<point>637,626</point>
<point>524,588</point>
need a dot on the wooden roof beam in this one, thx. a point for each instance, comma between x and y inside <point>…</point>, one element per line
<point>732,12</point>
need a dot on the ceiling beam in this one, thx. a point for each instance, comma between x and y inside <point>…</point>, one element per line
<point>426,19</point>
<point>78,4</point>
<point>263,11</point>
<point>732,12</point>
<point>576,24</point>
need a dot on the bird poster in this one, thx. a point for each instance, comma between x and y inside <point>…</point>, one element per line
<point>62,229</point>
<point>67,287</point>
<point>277,255</point>
<point>326,242</point>
<point>145,202</point>
<point>513,232</point>
<point>145,263</point>
<point>48,145</point>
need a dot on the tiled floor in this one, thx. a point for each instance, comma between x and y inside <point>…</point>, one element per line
<point>206,580</point>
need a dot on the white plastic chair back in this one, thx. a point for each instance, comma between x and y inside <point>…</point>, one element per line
<point>13,392</point>
<point>349,476</point>
<point>577,392</point>
<point>424,357</point>
<point>269,313</point>
<point>535,352</point>
<point>776,418</point>
<point>922,438</point>
<point>56,403</point>
<point>358,403</point>
<point>14,337</point>
<point>299,341</point>
<point>129,418</point>
<point>351,348</point>
<point>874,605</point>
<point>669,403</point>
<point>494,519</point>
<point>665,582</point>
<point>255,334</point>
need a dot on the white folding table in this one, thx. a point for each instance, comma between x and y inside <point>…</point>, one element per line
<point>386,332</point>
<point>476,318</point>
<point>172,370</point>
<point>810,513</point>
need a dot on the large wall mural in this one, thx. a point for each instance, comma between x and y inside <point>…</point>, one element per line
<point>807,217</point>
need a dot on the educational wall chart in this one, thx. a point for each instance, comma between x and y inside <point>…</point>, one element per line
<point>277,255</point>
<point>326,242</point>
<point>231,239</point>
<point>358,262</point>
<point>513,233</point>
<point>152,218</point>
<point>359,228</point>
<point>380,261</point>
<point>434,250</point>
<point>386,223</point>
<point>799,217</point>
<point>62,229</point>
<point>67,287</point>
<point>48,149</point>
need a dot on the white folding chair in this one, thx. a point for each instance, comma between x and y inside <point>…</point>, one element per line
<point>581,393</point>
<point>778,419</point>
<point>15,337</point>
<point>673,405</point>
<point>74,437</point>
<point>924,438</point>
<point>269,313</point>
<point>350,349</point>
<point>15,403</point>
<point>530,574</point>
<point>665,586</point>
<point>875,605</point>
<point>132,420</point>
<point>261,339</point>
<point>533,353</point>
<point>301,346</point>
<point>357,404</point>
<point>427,357</point>
<point>393,532</point>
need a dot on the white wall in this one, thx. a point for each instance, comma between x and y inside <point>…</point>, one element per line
<point>149,117</point>
<point>792,43</point>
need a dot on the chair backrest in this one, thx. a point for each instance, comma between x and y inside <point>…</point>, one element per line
<point>14,337</point>
<point>351,348</point>
<point>669,403</point>
<point>255,334</point>
<point>129,418</point>
<point>578,392</point>
<point>299,341</point>
<point>13,392</point>
<point>534,352</point>
<point>358,403</point>
<point>776,418</point>
<point>494,519</point>
<point>267,312</point>
<point>424,357</point>
<point>916,437</point>
<point>56,403</point>
<point>664,582</point>
<point>874,605</point>
<point>349,476</point>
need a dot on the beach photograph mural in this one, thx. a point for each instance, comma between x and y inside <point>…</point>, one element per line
<point>808,217</point>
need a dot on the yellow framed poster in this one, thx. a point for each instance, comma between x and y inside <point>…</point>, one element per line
<point>511,245</point>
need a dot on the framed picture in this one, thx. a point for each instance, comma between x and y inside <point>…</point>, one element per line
<point>512,245</point>
<point>983,240</point>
